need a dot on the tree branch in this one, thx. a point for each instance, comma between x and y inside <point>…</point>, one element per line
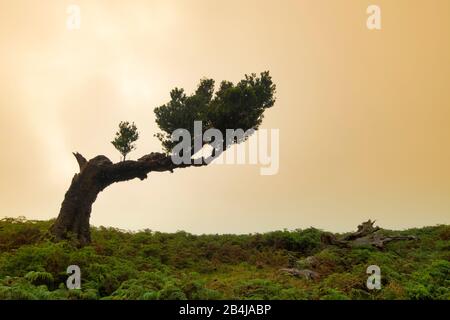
<point>379,241</point>
<point>81,160</point>
<point>364,229</point>
<point>127,170</point>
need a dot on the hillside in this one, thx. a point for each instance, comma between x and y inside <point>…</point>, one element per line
<point>155,265</point>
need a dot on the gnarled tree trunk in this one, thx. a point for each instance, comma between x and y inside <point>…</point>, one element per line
<point>94,176</point>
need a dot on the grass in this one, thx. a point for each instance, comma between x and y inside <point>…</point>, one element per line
<point>155,265</point>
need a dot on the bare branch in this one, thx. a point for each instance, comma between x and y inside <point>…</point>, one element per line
<point>379,242</point>
<point>81,160</point>
<point>364,229</point>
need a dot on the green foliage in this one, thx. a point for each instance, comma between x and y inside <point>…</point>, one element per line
<point>239,106</point>
<point>39,278</point>
<point>258,289</point>
<point>431,283</point>
<point>16,232</point>
<point>151,265</point>
<point>125,138</point>
<point>305,241</point>
<point>333,294</point>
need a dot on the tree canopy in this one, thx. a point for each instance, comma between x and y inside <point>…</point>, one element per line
<point>232,106</point>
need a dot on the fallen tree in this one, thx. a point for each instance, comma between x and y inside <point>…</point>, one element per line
<point>367,234</point>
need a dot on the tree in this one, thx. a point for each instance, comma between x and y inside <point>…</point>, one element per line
<point>233,106</point>
<point>125,138</point>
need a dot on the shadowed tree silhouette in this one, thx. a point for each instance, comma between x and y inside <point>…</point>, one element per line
<point>232,106</point>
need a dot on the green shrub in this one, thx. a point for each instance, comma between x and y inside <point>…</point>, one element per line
<point>333,294</point>
<point>155,265</point>
<point>40,278</point>
<point>258,289</point>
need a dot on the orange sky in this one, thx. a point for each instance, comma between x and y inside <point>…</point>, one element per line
<point>363,115</point>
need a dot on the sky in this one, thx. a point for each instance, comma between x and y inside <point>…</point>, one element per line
<point>363,115</point>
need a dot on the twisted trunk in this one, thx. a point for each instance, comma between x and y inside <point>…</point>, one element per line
<point>94,176</point>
